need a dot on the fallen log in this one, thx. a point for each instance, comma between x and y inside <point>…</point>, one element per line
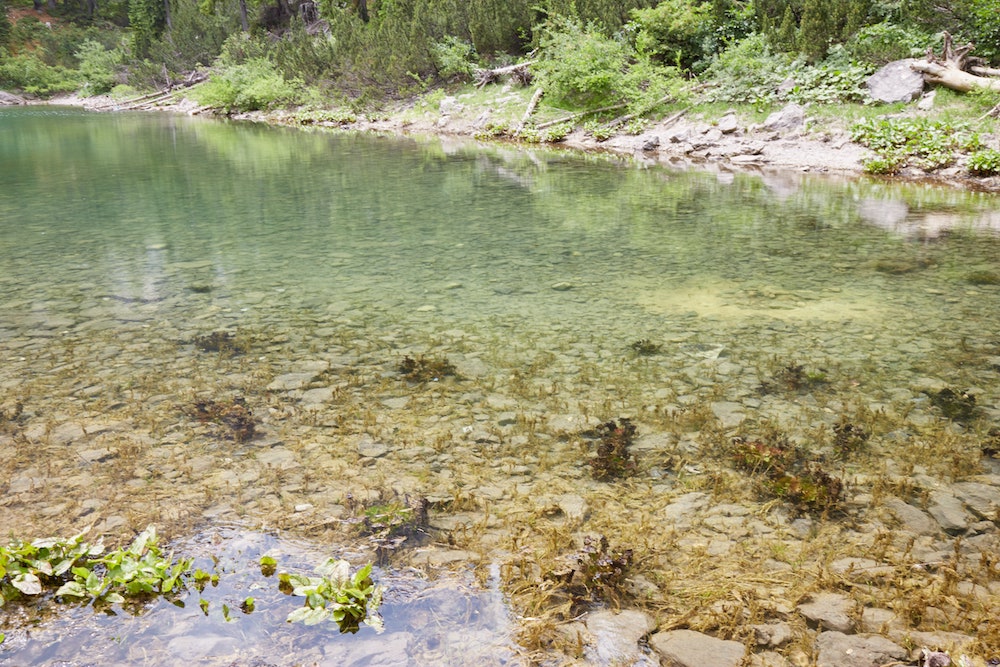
<point>519,71</point>
<point>530,110</point>
<point>950,70</point>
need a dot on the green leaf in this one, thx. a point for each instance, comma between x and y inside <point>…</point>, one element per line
<point>73,588</point>
<point>114,598</point>
<point>27,583</point>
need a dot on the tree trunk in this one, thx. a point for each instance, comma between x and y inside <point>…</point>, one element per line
<point>950,70</point>
<point>244,21</point>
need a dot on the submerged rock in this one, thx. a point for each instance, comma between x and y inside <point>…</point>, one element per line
<point>687,648</point>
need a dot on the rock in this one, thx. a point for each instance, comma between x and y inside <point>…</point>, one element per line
<point>862,569</point>
<point>687,648</point>
<point>728,124</point>
<point>835,649</point>
<point>685,506</point>
<point>370,449</point>
<point>562,286</point>
<point>290,381</point>
<point>728,413</point>
<point>926,102</point>
<point>981,499</point>
<point>949,512</point>
<point>769,659</point>
<point>574,507</point>
<point>831,611</point>
<point>10,99</point>
<point>791,117</point>
<point>389,650</point>
<point>317,396</point>
<point>772,634</point>
<point>650,143</point>
<point>896,82</point>
<point>910,517</point>
<point>879,621</point>
<point>616,636</point>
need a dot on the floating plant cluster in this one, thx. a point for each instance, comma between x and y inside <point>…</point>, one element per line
<point>72,569</point>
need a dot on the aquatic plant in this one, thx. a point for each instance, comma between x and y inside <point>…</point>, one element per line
<point>389,524</point>
<point>613,458</point>
<point>813,489</point>
<point>983,278</point>
<point>793,377</point>
<point>223,342</point>
<point>425,369</point>
<point>758,456</point>
<point>234,415</point>
<point>959,406</point>
<point>79,570</point>
<point>645,347</point>
<point>848,437</point>
<point>596,570</point>
<point>336,595</point>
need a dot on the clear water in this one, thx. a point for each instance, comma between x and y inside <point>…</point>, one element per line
<point>123,238</point>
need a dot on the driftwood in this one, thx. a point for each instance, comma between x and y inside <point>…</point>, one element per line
<point>581,114</point>
<point>951,70</point>
<point>519,72</point>
<point>535,99</point>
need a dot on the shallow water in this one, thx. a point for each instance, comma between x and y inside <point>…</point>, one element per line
<point>124,238</point>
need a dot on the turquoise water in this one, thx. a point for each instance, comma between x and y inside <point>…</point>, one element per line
<point>124,238</point>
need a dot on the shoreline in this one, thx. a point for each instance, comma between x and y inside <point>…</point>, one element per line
<point>796,144</point>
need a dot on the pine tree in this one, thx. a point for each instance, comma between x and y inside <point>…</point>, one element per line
<point>815,29</point>
<point>5,26</point>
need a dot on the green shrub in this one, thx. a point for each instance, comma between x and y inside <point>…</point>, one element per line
<point>454,58</point>
<point>581,68</point>
<point>25,71</point>
<point>985,162</point>
<point>886,42</point>
<point>5,25</point>
<point>675,32</point>
<point>249,86</point>
<point>98,67</point>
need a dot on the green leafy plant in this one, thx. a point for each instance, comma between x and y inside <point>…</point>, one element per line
<point>337,596</point>
<point>76,569</point>
<point>919,142</point>
<point>248,86</point>
<point>454,58</point>
<point>985,162</point>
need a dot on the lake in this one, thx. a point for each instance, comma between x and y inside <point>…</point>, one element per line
<point>273,341</point>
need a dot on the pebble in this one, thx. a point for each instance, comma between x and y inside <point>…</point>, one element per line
<point>687,648</point>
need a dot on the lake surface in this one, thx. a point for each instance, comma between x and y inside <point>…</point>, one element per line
<point>564,291</point>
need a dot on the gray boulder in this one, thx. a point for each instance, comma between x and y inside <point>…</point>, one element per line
<point>791,117</point>
<point>896,82</point>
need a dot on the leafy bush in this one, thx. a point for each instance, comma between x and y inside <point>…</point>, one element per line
<point>885,42</point>
<point>985,162</point>
<point>454,58</point>
<point>581,68</point>
<point>675,32</point>
<point>249,86</point>
<point>98,67</point>
<point>982,27</point>
<point>29,73</point>
<point>917,142</point>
